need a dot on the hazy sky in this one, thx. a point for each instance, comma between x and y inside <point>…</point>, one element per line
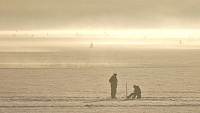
<point>99,14</point>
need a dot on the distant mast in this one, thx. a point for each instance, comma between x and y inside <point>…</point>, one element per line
<point>180,42</point>
<point>91,45</point>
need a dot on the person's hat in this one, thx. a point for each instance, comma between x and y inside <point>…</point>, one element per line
<point>115,74</point>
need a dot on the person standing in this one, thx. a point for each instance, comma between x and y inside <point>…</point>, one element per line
<point>113,81</point>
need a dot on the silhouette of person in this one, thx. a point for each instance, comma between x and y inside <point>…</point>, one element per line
<point>113,80</point>
<point>136,92</point>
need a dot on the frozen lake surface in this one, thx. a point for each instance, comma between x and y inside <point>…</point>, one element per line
<point>76,79</point>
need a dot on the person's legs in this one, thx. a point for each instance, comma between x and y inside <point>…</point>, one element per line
<point>113,92</point>
<point>130,95</point>
<point>134,95</point>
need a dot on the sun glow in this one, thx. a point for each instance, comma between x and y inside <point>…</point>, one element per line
<point>107,33</point>
<point>121,34</point>
<point>67,37</point>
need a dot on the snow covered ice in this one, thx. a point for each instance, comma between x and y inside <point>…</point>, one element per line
<point>76,80</point>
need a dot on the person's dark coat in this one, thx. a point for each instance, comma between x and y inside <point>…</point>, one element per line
<point>137,90</point>
<point>113,80</point>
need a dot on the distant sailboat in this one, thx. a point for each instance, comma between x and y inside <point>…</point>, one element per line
<point>180,42</point>
<point>91,45</point>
